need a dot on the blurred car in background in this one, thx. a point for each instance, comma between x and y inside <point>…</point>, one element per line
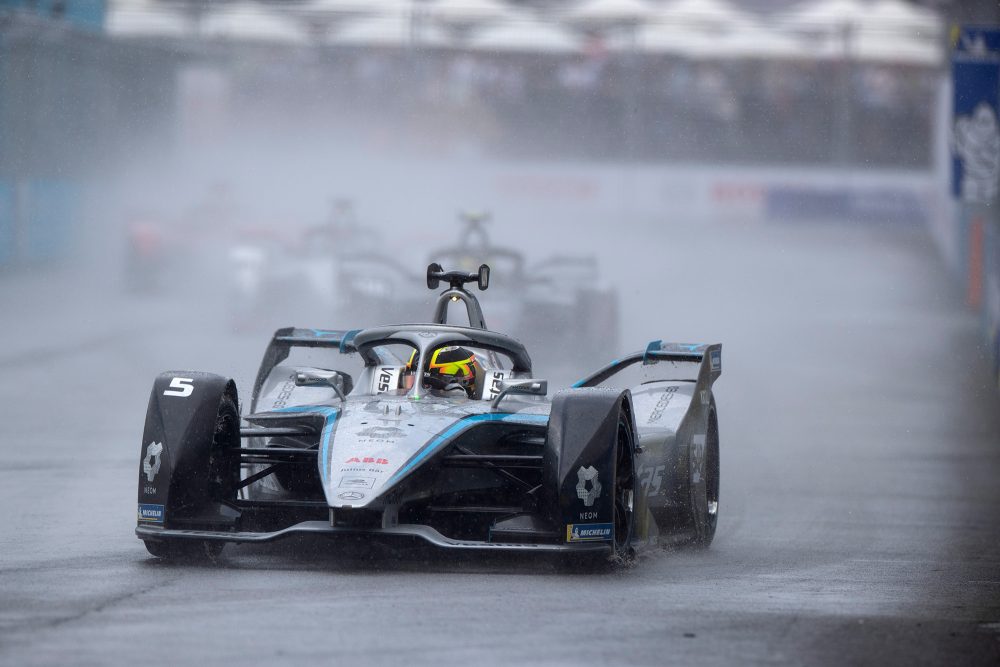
<point>337,268</point>
<point>566,294</point>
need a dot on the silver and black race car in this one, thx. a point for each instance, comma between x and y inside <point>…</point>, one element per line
<point>437,432</point>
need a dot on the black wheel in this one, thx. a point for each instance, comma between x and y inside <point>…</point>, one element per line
<point>224,470</point>
<point>622,552</point>
<point>704,476</point>
<point>185,550</point>
<point>624,516</point>
<point>223,480</point>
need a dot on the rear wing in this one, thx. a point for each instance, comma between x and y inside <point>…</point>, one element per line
<point>285,339</point>
<point>707,356</point>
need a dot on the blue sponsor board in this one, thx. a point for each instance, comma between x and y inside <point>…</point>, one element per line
<point>975,70</point>
<point>895,206</point>
<point>150,513</point>
<point>589,532</point>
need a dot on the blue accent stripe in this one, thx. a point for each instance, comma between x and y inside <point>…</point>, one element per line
<point>330,416</point>
<point>579,383</point>
<point>457,428</point>
<point>347,342</point>
<point>654,346</point>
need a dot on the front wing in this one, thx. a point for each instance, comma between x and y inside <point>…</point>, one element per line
<point>425,533</point>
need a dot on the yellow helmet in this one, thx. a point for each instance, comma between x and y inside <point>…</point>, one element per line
<point>450,366</point>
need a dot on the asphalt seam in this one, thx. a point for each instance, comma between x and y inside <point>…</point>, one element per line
<point>101,606</point>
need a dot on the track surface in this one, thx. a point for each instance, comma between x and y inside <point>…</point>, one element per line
<point>860,517</point>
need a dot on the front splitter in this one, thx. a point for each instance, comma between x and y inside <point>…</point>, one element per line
<point>425,533</point>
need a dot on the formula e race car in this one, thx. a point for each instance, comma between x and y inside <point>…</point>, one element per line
<point>436,432</point>
<point>565,292</point>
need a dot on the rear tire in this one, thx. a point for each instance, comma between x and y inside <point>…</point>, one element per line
<point>704,471</point>
<point>624,509</point>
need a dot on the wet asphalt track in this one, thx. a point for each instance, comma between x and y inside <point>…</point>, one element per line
<point>860,519</point>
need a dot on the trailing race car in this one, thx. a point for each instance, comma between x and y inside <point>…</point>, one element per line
<point>338,268</point>
<point>565,292</point>
<point>438,432</point>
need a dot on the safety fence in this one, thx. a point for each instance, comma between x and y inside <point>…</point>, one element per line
<point>969,234</point>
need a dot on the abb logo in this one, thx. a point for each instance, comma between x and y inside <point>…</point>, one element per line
<point>367,459</point>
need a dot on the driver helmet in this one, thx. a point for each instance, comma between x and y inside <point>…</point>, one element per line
<point>452,367</point>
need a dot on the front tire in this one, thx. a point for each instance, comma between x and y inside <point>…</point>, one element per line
<point>195,551</point>
<point>223,481</point>
<point>622,553</point>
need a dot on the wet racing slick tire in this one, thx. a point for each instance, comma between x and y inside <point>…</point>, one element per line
<point>622,553</point>
<point>704,476</point>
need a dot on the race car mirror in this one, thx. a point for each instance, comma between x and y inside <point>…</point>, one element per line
<point>529,387</point>
<point>484,277</point>
<point>434,272</point>
<point>331,379</point>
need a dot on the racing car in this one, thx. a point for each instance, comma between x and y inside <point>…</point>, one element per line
<point>437,432</point>
<point>339,266</point>
<point>565,292</point>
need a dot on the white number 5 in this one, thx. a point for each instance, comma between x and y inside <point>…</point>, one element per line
<point>180,387</point>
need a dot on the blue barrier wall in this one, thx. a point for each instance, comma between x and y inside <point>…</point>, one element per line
<point>84,13</point>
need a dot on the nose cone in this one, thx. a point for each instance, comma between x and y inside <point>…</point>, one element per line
<point>373,442</point>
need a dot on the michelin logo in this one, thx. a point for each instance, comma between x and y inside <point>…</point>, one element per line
<point>976,140</point>
<point>588,532</point>
<point>150,513</point>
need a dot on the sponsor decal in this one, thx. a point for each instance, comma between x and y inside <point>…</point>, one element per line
<point>386,379</point>
<point>705,397</point>
<point>381,433</point>
<point>151,462</point>
<point>150,513</point>
<point>588,487</point>
<point>367,459</point>
<point>351,495</point>
<point>357,482</point>
<point>281,400</point>
<point>496,380</point>
<point>661,405</point>
<point>588,532</point>
<point>716,360</point>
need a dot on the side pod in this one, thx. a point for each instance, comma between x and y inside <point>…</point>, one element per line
<point>180,485</point>
<point>579,461</point>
